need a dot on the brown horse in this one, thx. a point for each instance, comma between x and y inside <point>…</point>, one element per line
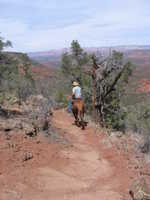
<point>78,110</point>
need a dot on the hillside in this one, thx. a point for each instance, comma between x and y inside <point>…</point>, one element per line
<point>38,69</point>
<point>138,55</point>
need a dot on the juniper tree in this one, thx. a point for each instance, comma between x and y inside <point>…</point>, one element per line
<point>109,80</point>
<point>74,65</point>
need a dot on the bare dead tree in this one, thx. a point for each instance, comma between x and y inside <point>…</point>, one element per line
<point>109,78</point>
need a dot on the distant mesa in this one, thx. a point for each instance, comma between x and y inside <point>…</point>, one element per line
<point>137,54</point>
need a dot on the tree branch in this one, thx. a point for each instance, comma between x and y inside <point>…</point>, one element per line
<point>115,82</point>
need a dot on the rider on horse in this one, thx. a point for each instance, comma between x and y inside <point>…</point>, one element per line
<point>76,93</point>
<point>77,105</point>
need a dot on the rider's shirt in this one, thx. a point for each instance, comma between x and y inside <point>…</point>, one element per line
<point>77,92</point>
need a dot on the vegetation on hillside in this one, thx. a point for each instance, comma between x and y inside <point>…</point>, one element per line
<point>138,116</point>
<point>15,74</point>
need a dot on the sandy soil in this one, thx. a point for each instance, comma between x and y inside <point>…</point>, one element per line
<point>89,167</point>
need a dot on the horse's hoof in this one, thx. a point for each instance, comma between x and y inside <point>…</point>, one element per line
<point>85,123</point>
<point>82,126</point>
<point>77,123</point>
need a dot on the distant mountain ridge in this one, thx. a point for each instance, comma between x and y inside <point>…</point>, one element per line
<point>138,54</point>
<point>59,52</point>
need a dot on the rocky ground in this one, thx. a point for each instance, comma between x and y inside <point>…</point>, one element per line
<point>61,161</point>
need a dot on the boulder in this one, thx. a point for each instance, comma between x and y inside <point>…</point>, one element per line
<point>30,117</point>
<point>9,124</point>
<point>29,129</point>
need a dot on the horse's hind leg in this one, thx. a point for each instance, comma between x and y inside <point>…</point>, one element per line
<point>75,113</point>
<point>77,121</point>
<point>82,123</point>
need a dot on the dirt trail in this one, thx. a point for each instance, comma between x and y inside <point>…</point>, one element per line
<point>90,168</point>
<point>95,169</point>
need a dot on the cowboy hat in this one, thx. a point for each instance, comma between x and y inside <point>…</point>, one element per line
<point>75,83</point>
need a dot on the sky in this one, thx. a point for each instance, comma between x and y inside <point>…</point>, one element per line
<point>41,25</point>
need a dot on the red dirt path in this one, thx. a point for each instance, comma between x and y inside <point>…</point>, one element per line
<point>91,168</point>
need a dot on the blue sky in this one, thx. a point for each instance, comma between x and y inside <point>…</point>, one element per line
<point>39,25</point>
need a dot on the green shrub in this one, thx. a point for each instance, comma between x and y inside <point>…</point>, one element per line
<point>138,118</point>
<point>61,98</point>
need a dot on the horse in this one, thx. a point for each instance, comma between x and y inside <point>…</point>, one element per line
<point>78,110</point>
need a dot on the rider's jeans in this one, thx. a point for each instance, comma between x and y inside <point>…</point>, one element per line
<point>70,105</point>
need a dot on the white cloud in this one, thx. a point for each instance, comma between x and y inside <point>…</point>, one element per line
<point>123,22</point>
